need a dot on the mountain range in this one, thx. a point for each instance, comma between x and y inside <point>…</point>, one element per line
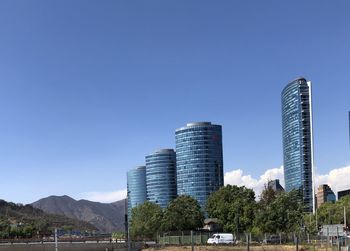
<point>106,217</point>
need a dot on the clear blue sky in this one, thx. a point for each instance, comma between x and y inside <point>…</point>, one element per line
<point>88,88</point>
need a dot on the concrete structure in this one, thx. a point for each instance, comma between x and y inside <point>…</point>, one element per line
<point>136,187</point>
<point>343,193</point>
<point>298,140</point>
<point>275,185</point>
<point>324,194</point>
<point>199,160</point>
<point>161,176</point>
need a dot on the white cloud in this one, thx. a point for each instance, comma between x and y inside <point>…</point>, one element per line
<point>236,177</point>
<point>105,197</point>
<point>338,179</point>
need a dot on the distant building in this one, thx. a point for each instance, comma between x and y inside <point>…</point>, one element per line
<point>199,160</point>
<point>324,194</point>
<point>161,177</point>
<point>212,225</point>
<point>298,140</point>
<point>136,188</point>
<point>275,185</point>
<point>343,193</point>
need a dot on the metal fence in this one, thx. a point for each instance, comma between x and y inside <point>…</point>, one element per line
<point>184,238</point>
<point>265,241</point>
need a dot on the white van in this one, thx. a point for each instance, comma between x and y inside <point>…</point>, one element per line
<point>221,238</point>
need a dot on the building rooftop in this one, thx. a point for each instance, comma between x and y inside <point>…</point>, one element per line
<point>195,124</point>
<point>198,124</point>
<point>162,150</point>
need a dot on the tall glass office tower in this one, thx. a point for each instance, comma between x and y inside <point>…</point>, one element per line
<point>199,160</point>
<point>161,177</point>
<point>298,140</point>
<point>136,187</point>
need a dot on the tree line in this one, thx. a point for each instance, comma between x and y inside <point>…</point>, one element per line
<point>237,211</point>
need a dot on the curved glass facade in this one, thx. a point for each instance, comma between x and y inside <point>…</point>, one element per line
<point>161,177</point>
<point>136,187</point>
<point>297,139</point>
<point>199,160</point>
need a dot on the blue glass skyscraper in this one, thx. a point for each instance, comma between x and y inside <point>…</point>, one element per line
<point>298,140</point>
<point>136,188</point>
<point>199,160</point>
<point>161,177</point>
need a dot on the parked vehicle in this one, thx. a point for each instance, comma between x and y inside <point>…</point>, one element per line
<point>221,238</point>
<point>272,239</point>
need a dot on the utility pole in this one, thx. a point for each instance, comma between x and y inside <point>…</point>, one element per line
<point>192,244</point>
<point>127,227</point>
<point>56,241</point>
<point>129,241</point>
<point>247,235</point>
<point>316,220</point>
<point>345,217</point>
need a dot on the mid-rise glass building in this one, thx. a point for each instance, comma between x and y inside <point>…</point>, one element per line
<point>161,177</point>
<point>136,188</point>
<point>199,160</point>
<point>324,194</point>
<point>298,140</point>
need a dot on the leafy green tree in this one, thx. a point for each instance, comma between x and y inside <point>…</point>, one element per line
<point>309,222</point>
<point>234,208</point>
<point>182,213</point>
<point>284,213</point>
<point>327,213</point>
<point>145,220</point>
<point>67,228</point>
<point>263,221</point>
<point>4,227</point>
<point>289,211</point>
<point>13,233</point>
<point>268,196</point>
<point>345,202</point>
<point>333,213</point>
<point>28,231</point>
<point>118,235</point>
